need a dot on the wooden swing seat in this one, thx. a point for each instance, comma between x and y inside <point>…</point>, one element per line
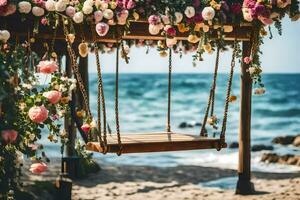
<point>156,142</point>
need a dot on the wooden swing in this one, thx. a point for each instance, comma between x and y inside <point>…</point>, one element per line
<point>160,141</point>
<point>148,142</point>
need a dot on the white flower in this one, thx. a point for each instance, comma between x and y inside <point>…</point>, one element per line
<point>78,17</point>
<point>62,88</point>
<point>93,124</point>
<point>38,11</point>
<point>247,14</point>
<point>179,17</point>
<point>208,13</point>
<point>154,29</point>
<point>87,9</point>
<point>24,7</point>
<point>27,86</point>
<point>72,87</point>
<point>100,4</point>
<point>171,42</point>
<point>126,49</point>
<point>189,11</point>
<point>60,6</point>
<point>108,14</point>
<point>50,5</point>
<point>88,3</point>
<point>165,19</point>
<point>4,35</point>
<point>252,70</point>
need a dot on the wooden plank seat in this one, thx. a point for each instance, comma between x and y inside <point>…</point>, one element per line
<point>156,142</point>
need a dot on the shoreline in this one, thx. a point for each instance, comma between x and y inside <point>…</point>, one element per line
<point>181,182</point>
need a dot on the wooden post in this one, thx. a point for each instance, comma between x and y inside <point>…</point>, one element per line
<point>244,185</point>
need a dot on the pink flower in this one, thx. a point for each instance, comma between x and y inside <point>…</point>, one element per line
<point>154,20</point>
<point>9,136</point>
<point>44,21</point>
<point>70,11</point>
<point>126,4</point>
<point>247,60</point>
<point>38,168</point>
<point>86,128</point>
<point>102,29</point>
<point>53,96</point>
<point>7,10</point>
<point>98,16</point>
<point>171,31</point>
<point>3,2</point>
<point>265,20</point>
<point>47,66</point>
<point>38,114</point>
<point>122,16</point>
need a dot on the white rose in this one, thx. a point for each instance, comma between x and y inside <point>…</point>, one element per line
<point>60,6</point>
<point>93,124</point>
<point>208,13</point>
<point>38,11</point>
<point>165,19</point>
<point>4,35</point>
<point>179,17</point>
<point>102,5</point>
<point>24,7</point>
<point>88,3</point>
<point>50,5</point>
<point>252,70</point>
<point>171,42</point>
<point>87,9</point>
<point>108,14</point>
<point>154,29</point>
<point>78,17</point>
<point>189,11</point>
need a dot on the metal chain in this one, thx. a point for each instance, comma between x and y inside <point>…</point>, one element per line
<point>169,92</point>
<point>75,69</point>
<point>222,136</point>
<point>211,98</point>
<point>117,100</point>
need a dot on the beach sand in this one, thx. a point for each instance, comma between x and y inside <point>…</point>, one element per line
<point>125,182</point>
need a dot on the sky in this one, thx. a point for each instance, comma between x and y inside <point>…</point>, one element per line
<point>280,55</point>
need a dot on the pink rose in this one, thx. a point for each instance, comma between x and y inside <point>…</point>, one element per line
<point>171,31</point>
<point>47,66</point>
<point>86,128</point>
<point>3,2</point>
<point>247,60</point>
<point>9,136</point>
<point>70,11</point>
<point>154,20</point>
<point>102,29</point>
<point>38,114</point>
<point>53,96</point>
<point>44,21</point>
<point>38,168</point>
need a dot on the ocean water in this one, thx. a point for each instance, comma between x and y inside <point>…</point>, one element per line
<point>143,107</point>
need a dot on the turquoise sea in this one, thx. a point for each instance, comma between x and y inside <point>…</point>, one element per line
<point>143,106</point>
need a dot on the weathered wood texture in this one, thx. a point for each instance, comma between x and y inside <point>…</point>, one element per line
<point>244,185</point>
<point>156,142</point>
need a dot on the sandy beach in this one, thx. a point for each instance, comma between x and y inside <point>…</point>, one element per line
<point>121,182</point>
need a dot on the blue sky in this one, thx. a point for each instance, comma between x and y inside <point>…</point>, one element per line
<point>280,55</point>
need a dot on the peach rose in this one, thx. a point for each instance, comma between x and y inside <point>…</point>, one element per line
<point>86,128</point>
<point>53,96</point>
<point>38,114</point>
<point>9,136</point>
<point>38,168</point>
<point>247,60</point>
<point>47,66</point>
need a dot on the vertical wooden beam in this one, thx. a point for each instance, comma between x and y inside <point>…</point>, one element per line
<point>244,185</point>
